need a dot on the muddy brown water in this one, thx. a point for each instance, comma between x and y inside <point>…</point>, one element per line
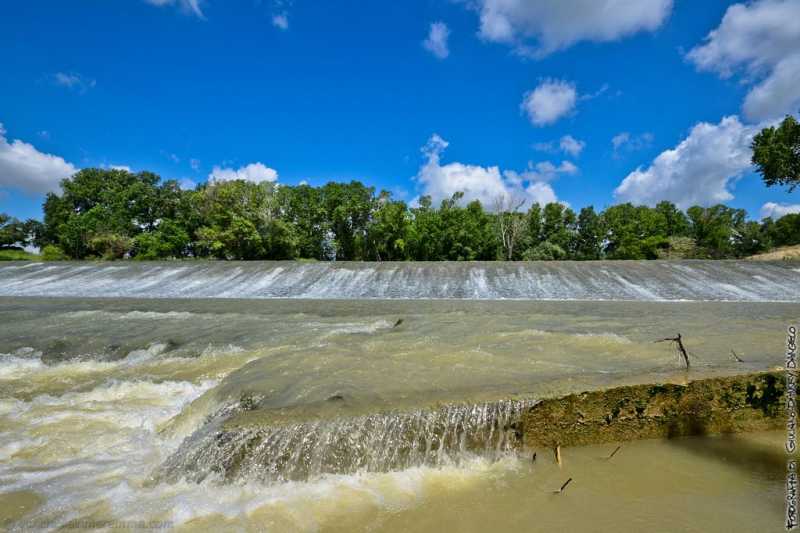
<point>100,398</point>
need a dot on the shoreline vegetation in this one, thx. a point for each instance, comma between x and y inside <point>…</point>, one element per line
<point>114,214</point>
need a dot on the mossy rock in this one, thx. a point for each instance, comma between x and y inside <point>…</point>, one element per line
<point>751,402</point>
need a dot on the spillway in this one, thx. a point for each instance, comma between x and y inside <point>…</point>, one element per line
<point>741,281</point>
<point>380,442</point>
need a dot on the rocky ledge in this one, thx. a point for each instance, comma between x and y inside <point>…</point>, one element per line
<point>751,402</point>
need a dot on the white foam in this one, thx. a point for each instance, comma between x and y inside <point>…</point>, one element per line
<point>109,467</point>
<point>359,328</point>
<point>131,315</point>
<point>153,350</point>
<point>610,337</point>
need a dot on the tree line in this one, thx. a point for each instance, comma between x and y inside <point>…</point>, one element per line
<point>115,214</point>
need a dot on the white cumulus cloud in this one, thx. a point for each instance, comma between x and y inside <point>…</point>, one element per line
<point>187,6</point>
<point>776,211</point>
<point>24,167</point>
<point>540,193</point>
<point>760,41</point>
<point>187,184</point>
<point>572,146</point>
<point>486,184</point>
<point>567,144</point>
<point>698,170</point>
<point>255,172</point>
<point>73,80</point>
<point>549,101</point>
<point>539,27</point>
<point>436,43</point>
<point>631,143</point>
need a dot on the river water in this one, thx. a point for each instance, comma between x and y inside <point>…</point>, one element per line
<point>363,413</point>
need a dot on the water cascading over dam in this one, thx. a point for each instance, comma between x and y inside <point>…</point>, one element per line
<point>380,442</point>
<point>618,280</point>
<point>317,396</point>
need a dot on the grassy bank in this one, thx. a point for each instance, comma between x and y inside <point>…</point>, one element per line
<point>785,253</point>
<point>18,255</point>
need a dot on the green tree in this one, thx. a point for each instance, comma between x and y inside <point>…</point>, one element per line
<point>388,230</point>
<point>99,210</point>
<point>672,221</point>
<point>533,231</point>
<point>559,226</point>
<point>110,246</point>
<point>302,208</point>
<point>783,232</point>
<point>750,239</point>
<point>467,232</point>
<point>716,229</point>
<point>545,251</point>
<point>425,234</point>
<point>348,207</point>
<point>168,240</point>
<point>13,233</point>
<point>590,234</point>
<point>776,153</point>
<point>236,216</point>
<point>634,232</point>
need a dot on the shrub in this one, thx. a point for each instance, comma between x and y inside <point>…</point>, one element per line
<point>51,252</point>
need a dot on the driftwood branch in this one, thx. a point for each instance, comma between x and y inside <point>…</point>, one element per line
<point>678,342</point>
<point>614,452</point>
<point>564,486</point>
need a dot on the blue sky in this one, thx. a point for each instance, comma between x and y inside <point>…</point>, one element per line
<point>495,97</point>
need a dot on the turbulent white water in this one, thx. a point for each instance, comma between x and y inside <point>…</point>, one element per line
<point>356,413</point>
<point>381,442</point>
<point>613,280</point>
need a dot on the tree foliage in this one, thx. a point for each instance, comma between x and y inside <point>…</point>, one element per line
<point>114,214</point>
<point>17,234</point>
<point>776,153</point>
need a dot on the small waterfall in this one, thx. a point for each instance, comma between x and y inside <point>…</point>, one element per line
<point>379,442</point>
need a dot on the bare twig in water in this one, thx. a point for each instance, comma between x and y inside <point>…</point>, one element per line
<point>559,491</point>
<point>678,341</point>
<point>614,452</point>
<point>736,357</point>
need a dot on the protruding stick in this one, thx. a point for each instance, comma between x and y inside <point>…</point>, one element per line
<point>679,343</point>
<point>559,491</point>
<point>614,452</point>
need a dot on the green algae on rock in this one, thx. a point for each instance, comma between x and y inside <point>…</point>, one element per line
<point>751,402</point>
